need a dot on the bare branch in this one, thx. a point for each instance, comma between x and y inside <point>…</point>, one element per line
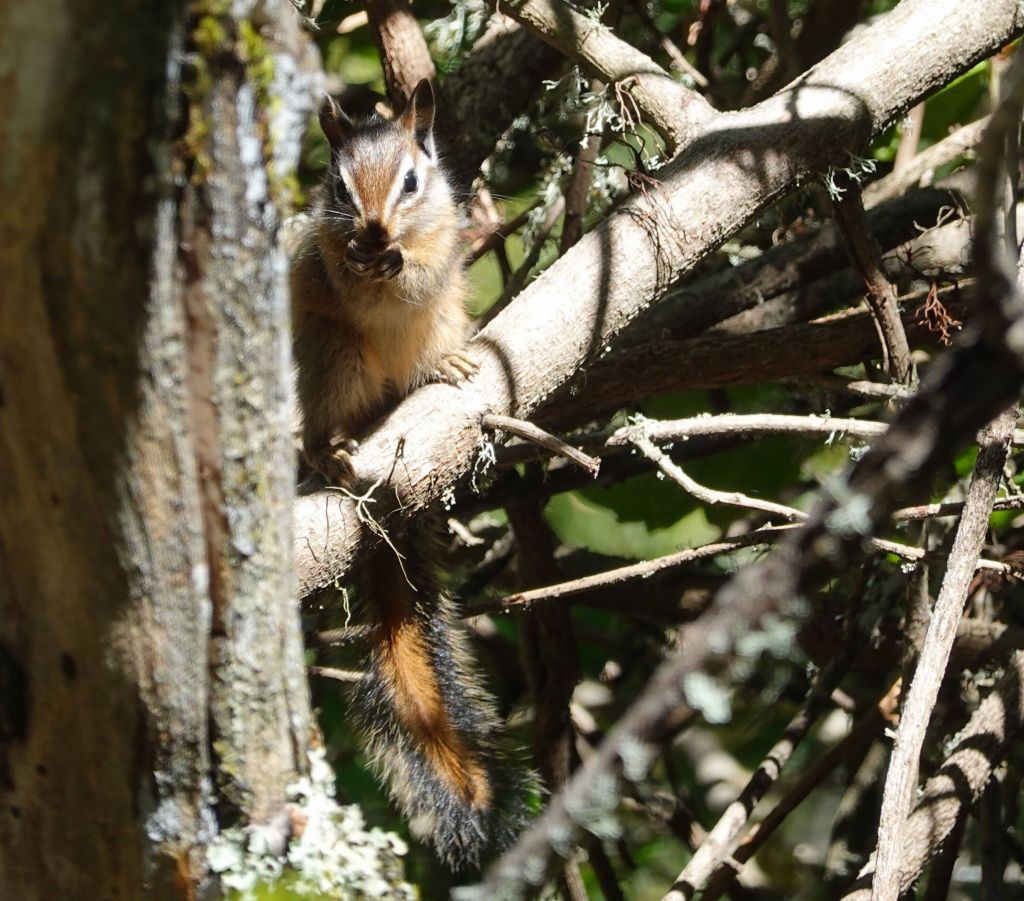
<point>720,841</point>
<point>347,676</point>
<point>979,747</point>
<point>920,168</point>
<point>635,571</point>
<point>675,112</point>
<point>931,665</point>
<point>720,359</point>
<point>856,741</point>
<point>403,49</point>
<point>927,511</point>
<point>1001,309</point>
<point>709,495</point>
<point>751,424</point>
<point>529,432</point>
<point>880,293</point>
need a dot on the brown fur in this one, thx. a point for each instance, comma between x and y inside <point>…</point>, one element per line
<point>405,663</point>
<point>363,340</point>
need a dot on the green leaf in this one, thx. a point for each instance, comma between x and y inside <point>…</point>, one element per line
<point>639,519</point>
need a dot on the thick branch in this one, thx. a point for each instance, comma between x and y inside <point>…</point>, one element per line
<point>403,49</point>
<point>719,360</point>
<point>676,112</point>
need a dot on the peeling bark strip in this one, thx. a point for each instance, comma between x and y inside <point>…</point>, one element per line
<point>112,547</point>
<point>732,166</point>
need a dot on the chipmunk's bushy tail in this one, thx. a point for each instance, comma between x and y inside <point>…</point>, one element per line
<point>433,731</point>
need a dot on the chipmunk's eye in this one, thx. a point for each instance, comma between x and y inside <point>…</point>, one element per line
<point>411,182</point>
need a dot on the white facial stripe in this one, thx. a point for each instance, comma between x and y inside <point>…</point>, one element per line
<point>350,187</point>
<point>398,185</point>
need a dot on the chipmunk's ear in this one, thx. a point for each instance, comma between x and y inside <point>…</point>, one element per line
<point>418,116</point>
<point>335,124</point>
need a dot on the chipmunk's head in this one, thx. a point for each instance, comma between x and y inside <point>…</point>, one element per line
<point>385,188</point>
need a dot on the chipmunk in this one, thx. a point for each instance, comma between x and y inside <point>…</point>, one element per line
<point>378,309</point>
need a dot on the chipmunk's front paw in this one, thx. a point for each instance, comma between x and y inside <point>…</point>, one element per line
<point>455,368</point>
<point>390,263</point>
<point>361,257</point>
<point>335,464</point>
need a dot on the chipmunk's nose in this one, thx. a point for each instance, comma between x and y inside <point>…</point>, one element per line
<point>374,233</point>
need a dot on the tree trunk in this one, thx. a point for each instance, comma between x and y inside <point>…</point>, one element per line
<point>151,679</point>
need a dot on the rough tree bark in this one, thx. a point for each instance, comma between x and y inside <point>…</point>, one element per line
<point>151,680</point>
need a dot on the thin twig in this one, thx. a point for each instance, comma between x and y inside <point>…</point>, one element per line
<point>862,734</point>
<point>529,432</point>
<point>577,192</point>
<point>635,571</point>
<point>910,137</point>
<point>352,22</point>
<point>710,495</point>
<point>672,51</point>
<point>861,387</point>
<point>909,552</point>
<point>880,293</point>
<point>719,842</point>
<point>954,508</point>
<point>338,675</point>
<point>924,164</point>
<point>749,424</point>
<point>496,237</point>
<point>329,637</point>
<point>518,280</point>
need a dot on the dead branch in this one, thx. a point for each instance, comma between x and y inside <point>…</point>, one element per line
<point>1002,305</point>
<point>722,359</point>
<point>879,291</point>
<point>403,49</point>
<point>719,843</point>
<point>785,269</point>
<point>675,112</point>
<point>529,432</point>
<point>753,424</point>
<point>636,571</point>
<point>964,390</point>
<point>921,168</point>
<point>979,747</point>
<point>702,492</point>
<point>866,730</point>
